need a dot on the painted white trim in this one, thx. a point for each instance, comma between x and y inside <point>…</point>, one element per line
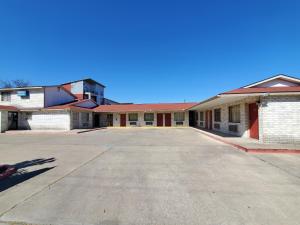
<point>284,77</point>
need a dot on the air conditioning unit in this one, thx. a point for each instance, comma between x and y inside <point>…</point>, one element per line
<point>233,128</point>
<point>217,126</point>
<point>132,123</point>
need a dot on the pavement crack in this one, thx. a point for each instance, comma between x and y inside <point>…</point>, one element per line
<point>278,167</point>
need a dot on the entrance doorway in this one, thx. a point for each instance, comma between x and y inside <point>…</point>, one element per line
<point>160,119</point>
<point>168,120</point>
<point>123,120</point>
<point>12,120</point>
<point>208,124</point>
<point>96,120</point>
<point>253,121</point>
<point>110,120</point>
<point>192,118</point>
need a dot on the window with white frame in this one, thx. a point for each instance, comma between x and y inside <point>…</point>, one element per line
<point>133,117</point>
<point>85,117</point>
<point>217,115</point>
<point>201,116</point>
<point>196,116</point>
<point>149,117</point>
<point>76,116</point>
<point>5,96</point>
<point>179,116</point>
<point>234,114</point>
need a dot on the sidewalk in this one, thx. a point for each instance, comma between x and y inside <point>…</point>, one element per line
<point>49,132</point>
<point>249,144</point>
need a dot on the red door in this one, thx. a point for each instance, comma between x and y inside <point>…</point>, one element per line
<point>160,119</point>
<point>208,124</point>
<point>168,120</point>
<point>253,121</point>
<point>123,120</point>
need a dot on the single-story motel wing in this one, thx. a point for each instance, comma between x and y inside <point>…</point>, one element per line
<point>268,110</point>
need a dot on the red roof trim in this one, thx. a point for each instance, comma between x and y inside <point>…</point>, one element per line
<point>145,107</point>
<point>71,105</point>
<point>8,108</point>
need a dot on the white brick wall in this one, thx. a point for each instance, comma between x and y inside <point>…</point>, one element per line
<point>50,120</point>
<point>36,99</point>
<point>279,118</point>
<point>3,121</point>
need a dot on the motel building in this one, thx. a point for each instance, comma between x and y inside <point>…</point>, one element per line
<point>268,110</point>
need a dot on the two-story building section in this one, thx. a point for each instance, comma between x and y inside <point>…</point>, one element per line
<point>40,107</point>
<point>87,89</point>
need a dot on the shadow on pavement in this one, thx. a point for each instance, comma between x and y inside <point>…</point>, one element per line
<point>33,162</point>
<point>22,174</point>
<point>20,177</point>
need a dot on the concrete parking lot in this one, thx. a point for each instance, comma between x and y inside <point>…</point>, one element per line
<point>140,176</point>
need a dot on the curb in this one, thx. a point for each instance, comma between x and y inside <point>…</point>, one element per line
<point>251,150</point>
<point>89,130</point>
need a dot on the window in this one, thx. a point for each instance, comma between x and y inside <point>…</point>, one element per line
<point>133,117</point>
<point>234,114</point>
<point>201,116</point>
<point>23,94</point>
<point>75,115</point>
<point>28,116</point>
<point>196,116</point>
<point>217,115</point>
<point>85,117</point>
<point>179,116</point>
<point>5,96</point>
<point>149,117</point>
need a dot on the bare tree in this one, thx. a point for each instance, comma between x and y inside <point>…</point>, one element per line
<point>19,83</point>
<point>6,84</point>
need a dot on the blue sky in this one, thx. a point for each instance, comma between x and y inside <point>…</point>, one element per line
<point>150,51</point>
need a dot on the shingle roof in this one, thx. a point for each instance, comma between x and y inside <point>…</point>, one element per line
<point>263,90</point>
<point>144,107</point>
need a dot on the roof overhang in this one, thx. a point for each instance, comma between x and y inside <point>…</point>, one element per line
<point>218,100</point>
<point>20,88</point>
<point>230,98</point>
<point>137,111</point>
<point>279,76</point>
